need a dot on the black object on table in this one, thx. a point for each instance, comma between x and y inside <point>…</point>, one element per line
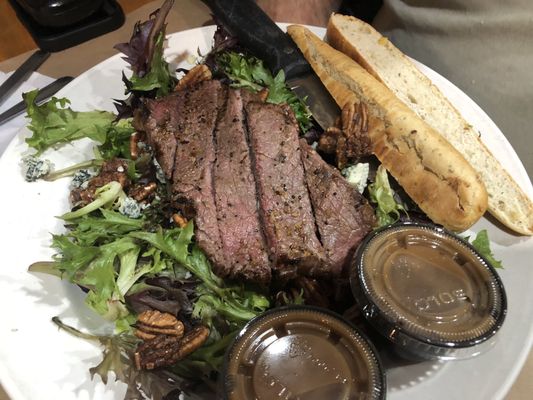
<point>56,25</point>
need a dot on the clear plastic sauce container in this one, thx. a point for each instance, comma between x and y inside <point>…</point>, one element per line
<point>428,291</point>
<point>301,352</point>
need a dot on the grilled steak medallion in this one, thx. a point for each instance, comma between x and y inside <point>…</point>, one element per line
<point>192,179</point>
<point>161,123</point>
<point>343,215</point>
<point>235,194</point>
<point>284,205</point>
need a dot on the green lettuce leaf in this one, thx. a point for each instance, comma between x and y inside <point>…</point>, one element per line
<point>482,244</point>
<point>233,302</point>
<point>250,73</point>
<point>104,196</point>
<point>54,123</point>
<point>100,229</point>
<point>117,140</point>
<point>388,209</point>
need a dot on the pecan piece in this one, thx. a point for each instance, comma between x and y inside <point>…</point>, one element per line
<point>192,340</point>
<point>112,170</point>
<point>263,94</point>
<point>166,350</point>
<point>152,323</point>
<point>157,319</point>
<point>134,149</point>
<point>176,330</point>
<point>179,220</point>
<point>141,192</point>
<point>328,140</point>
<point>144,335</point>
<point>197,74</point>
<point>348,139</point>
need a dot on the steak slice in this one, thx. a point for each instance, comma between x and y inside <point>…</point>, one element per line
<point>162,118</point>
<point>235,195</point>
<point>192,179</point>
<point>284,205</point>
<point>343,215</point>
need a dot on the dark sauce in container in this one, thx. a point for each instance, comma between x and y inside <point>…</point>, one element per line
<point>428,291</point>
<point>302,352</point>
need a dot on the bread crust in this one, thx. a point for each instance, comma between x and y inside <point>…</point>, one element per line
<point>507,202</point>
<point>430,170</point>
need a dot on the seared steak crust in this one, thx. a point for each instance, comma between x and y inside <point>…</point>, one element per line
<point>236,200</point>
<point>284,204</point>
<point>343,216</point>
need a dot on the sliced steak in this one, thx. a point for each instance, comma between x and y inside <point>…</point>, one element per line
<point>160,124</point>
<point>343,215</point>
<point>235,194</point>
<point>192,180</point>
<point>284,205</point>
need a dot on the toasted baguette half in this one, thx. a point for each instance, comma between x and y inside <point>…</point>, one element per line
<point>507,202</point>
<point>430,170</point>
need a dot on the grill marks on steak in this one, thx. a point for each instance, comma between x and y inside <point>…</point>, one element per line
<point>284,205</point>
<point>192,179</point>
<point>235,196</point>
<point>343,216</point>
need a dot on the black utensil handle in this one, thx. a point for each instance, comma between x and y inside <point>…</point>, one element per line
<point>22,73</point>
<point>44,93</point>
<point>258,33</point>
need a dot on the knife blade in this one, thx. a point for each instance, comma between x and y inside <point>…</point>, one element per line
<point>21,73</point>
<point>259,34</point>
<point>44,93</point>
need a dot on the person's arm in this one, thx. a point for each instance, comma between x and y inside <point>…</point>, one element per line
<point>310,12</point>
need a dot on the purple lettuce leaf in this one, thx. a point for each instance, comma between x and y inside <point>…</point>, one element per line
<point>139,50</point>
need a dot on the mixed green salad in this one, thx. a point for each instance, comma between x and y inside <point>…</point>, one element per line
<point>125,246</point>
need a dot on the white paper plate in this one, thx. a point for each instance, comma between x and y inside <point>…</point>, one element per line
<point>40,362</point>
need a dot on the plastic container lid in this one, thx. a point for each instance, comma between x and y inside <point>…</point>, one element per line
<point>428,291</point>
<point>301,352</point>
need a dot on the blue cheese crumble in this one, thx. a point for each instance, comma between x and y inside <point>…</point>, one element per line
<point>81,179</point>
<point>35,168</point>
<point>357,175</point>
<point>130,208</point>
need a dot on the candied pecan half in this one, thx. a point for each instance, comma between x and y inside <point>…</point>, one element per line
<point>157,319</point>
<point>348,139</point>
<point>192,340</point>
<point>179,220</point>
<point>112,170</point>
<point>142,192</point>
<point>165,350</point>
<point>134,142</point>
<point>198,73</point>
<point>152,323</point>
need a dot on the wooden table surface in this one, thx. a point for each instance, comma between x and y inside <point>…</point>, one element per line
<point>185,14</point>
